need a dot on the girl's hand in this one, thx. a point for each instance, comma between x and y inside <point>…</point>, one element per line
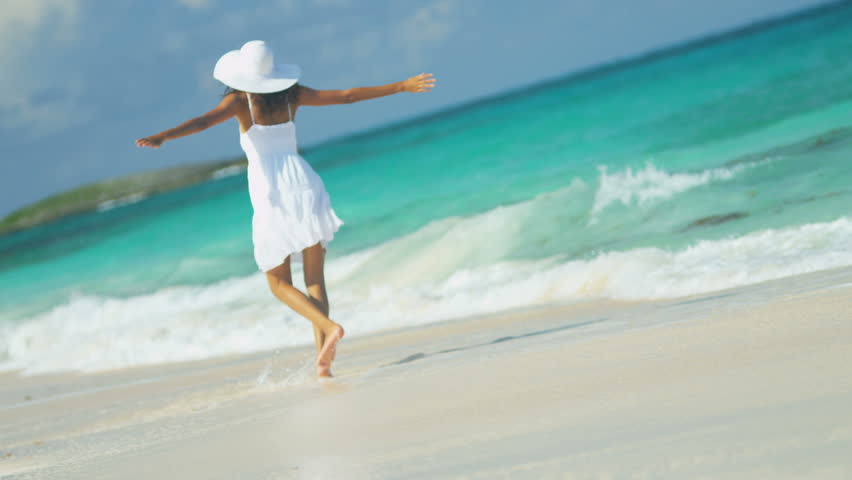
<point>154,141</point>
<point>419,83</point>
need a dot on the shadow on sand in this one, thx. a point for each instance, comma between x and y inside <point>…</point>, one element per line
<point>419,356</point>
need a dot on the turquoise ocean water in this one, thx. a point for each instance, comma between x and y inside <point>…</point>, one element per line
<point>710,167</point>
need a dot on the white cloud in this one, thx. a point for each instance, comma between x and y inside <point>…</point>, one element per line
<point>359,47</point>
<point>356,49</point>
<point>349,42</point>
<point>29,95</point>
<point>21,17</point>
<point>429,26</point>
<point>195,3</point>
<point>329,32</point>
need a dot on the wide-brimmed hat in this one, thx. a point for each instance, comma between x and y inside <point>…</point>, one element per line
<point>252,69</point>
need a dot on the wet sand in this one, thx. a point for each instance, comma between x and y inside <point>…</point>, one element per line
<point>754,382</point>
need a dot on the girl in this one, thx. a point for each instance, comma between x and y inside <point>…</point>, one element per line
<point>292,211</point>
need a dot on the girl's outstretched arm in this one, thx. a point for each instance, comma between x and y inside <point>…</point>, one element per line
<point>418,83</point>
<point>225,110</point>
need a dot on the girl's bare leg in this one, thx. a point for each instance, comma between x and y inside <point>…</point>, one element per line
<point>281,284</point>
<point>313,258</point>
<point>314,263</point>
<point>318,337</point>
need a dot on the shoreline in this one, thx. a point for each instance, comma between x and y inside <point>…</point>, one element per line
<point>822,279</point>
<point>751,381</point>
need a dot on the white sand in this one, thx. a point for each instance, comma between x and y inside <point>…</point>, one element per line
<point>749,383</point>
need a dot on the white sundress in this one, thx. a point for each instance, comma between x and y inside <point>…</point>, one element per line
<point>292,209</point>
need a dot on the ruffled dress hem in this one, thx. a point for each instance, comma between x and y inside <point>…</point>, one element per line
<point>294,250</point>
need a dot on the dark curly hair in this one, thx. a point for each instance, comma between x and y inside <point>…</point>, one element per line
<point>271,102</point>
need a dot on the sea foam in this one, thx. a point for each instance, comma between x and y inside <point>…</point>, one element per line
<point>650,184</point>
<point>227,172</point>
<point>120,202</point>
<point>240,315</point>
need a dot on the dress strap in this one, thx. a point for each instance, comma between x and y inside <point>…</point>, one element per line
<point>290,112</point>
<point>251,111</point>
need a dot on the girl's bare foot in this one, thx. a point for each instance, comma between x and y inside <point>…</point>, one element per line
<point>326,354</point>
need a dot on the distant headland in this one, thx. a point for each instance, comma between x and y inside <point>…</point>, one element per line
<point>115,192</point>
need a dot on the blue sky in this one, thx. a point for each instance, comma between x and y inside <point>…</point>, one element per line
<point>81,79</point>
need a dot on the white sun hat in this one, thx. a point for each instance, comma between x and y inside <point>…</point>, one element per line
<point>252,69</point>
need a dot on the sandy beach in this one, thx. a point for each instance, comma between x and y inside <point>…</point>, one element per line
<point>746,383</point>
